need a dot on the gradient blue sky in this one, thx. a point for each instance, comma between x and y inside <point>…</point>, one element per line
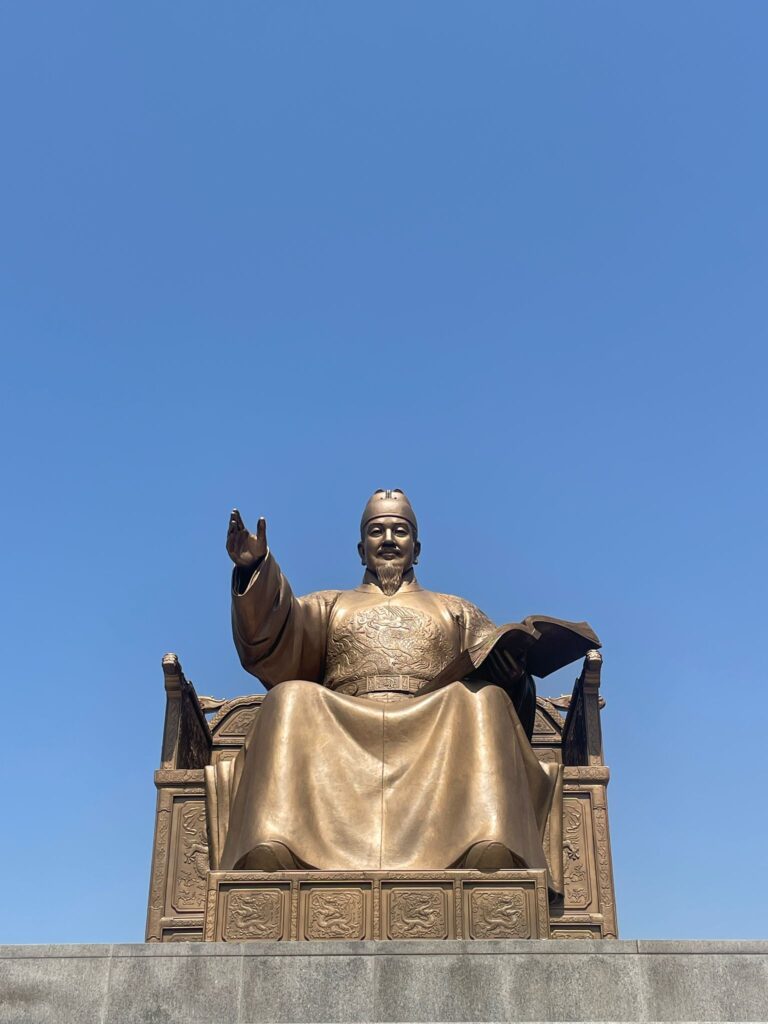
<point>508,256</point>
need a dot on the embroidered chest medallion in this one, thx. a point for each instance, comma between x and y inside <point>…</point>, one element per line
<point>383,639</point>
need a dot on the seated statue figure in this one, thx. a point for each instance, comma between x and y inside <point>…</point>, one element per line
<point>357,759</point>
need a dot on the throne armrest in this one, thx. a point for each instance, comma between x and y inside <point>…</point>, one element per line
<point>582,733</point>
<point>186,737</point>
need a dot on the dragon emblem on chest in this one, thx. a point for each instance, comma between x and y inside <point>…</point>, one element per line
<point>386,639</point>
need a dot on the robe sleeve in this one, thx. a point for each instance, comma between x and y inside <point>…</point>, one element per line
<point>476,626</point>
<point>279,636</point>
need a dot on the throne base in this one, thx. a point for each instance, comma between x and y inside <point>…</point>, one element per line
<point>247,906</point>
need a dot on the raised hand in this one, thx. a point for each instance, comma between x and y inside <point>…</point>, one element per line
<point>245,549</point>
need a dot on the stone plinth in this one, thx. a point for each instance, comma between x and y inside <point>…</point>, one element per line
<point>448,980</point>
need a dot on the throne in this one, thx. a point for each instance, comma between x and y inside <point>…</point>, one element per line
<point>190,900</point>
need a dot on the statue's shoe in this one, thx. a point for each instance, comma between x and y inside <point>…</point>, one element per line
<point>489,856</point>
<point>272,856</point>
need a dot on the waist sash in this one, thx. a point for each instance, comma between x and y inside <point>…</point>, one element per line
<point>382,684</point>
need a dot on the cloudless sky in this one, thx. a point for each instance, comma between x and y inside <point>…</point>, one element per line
<point>508,256</point>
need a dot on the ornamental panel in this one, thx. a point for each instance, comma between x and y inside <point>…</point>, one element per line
<point>190,856</point>
<point>418,913</point>
<point>254,914</point>
<point>334,913</point>
<point>499,913</point>
<point>578,855</point>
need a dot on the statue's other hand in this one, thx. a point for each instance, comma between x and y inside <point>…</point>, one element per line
<point>245,549</point>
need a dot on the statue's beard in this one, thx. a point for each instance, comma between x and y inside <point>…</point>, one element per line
<point>390,577</point>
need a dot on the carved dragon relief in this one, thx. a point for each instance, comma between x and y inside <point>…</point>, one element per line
<point>499,914</point>
<point>386,639</point>
<point>254,914</point>
<point>417,914</point>
<point>335,914</point>
<point>191,858</point>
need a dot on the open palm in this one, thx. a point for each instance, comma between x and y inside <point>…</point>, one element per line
<point>243,547</point>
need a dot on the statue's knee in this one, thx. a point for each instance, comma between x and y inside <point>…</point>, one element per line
<point>497,694</point>
<point>289,692</point>
<point>488,693</point>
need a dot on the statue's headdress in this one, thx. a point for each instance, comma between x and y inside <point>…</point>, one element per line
<point>388,503</point>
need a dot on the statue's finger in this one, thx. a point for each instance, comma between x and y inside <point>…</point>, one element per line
<point>261,528</point>
<point>237,520</point>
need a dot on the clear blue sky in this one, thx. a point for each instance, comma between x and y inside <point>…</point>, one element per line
<point>510,257</point>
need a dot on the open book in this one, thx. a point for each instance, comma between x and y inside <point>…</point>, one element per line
<point>539,644</point>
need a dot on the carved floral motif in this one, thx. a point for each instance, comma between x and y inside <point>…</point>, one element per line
<point>542,911</point>
<point>604,872</point>
<point>458,907</point>
<point>161,855</point>
<point>376,923</point>
<point>294,898</point>
<point>159,870</point>
<point>238,724</point>
<point>187,935</point>
<point>549,706</point>
<point>587,773</point>
<point>575,933</point>
<point>546,754</point>
<point>575,875</point>
<point>542,726</point>
<point>211,900</point>
<point>179,776</point>
<point>226,707</point>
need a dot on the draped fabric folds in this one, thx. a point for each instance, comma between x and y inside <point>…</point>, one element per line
<point>378,780</point>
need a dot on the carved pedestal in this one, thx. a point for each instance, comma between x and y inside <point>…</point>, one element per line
<point>244,906</point>
<point>188,902</point>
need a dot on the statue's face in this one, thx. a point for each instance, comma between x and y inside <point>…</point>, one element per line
<point>389,540</point>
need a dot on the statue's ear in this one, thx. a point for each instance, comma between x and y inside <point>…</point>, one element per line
<point>416,551</point>
<point>361,552</point>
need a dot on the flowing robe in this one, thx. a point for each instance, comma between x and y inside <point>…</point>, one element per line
<point>346,765</point>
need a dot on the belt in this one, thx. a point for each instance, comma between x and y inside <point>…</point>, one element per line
<point>379,684</point>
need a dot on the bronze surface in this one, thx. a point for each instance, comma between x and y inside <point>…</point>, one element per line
<point>400,733</point>
<point>362,771</point>
<point>182,857</point>
<point>249,906</point>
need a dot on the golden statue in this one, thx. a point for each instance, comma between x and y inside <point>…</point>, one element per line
<point>395,733</point>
